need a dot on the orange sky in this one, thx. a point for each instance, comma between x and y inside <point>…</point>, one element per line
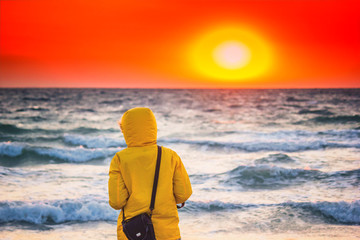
<point>116,43</point>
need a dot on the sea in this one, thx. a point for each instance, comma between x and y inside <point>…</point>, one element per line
<point>264,163</point>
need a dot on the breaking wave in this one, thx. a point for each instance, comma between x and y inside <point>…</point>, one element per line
<point>9,128</point>
<point>76,155</point>
<point>13,129</point>
<point>273,177</point>
<point>17,151</point>
<point>339,212</point>
<point>257,146</point>
<point>11,149</point>
<point>93,142</point>
<point>275,158</point>
<point>60,211</point>
<point>90,209</point>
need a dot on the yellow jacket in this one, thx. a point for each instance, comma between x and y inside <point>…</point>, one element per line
<point>132,173</point>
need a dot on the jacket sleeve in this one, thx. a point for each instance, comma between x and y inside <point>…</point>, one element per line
<point>118,194</point>
<point>181,181</point>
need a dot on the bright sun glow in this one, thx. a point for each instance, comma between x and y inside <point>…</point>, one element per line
<point>230,54</point>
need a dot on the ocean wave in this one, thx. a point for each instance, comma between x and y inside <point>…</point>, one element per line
<point>55,212</point>
<point>82,110</point>
<point>11,149</point>
<point>9,128</point>
<point>31,118</point>
<point>216,205</point>
<point>288,141</point>
<point>235,106</point>
<point>93,209</point>
<point>320,112</point>
<point>13,129</point>
<point>103,142</point>
<point>346,134</point>
<point>257,146</point>
<point>93,142</point>
<point>293,134</point>
<point>76,155</point>
<point>337,119</point>
<point>333,212</point>
<point>269,177</point>
<point>273,177</point>
<point>86,130</point>
<point>341,212</point>
<point>293,99</point>
<point>18,151</point>
<point>41,99</point>
<point>5,172</point>
<point>4,110</point>
<point>275,158</point>
<point>114,102</point>
<point>35,108</point>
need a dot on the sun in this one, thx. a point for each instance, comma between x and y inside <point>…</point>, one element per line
<point>229,54</point>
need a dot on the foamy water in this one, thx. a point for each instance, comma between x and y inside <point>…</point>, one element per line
<point>264,164</point>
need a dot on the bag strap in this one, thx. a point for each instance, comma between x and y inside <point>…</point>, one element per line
<point>182,205</point>
<point>156,179</point>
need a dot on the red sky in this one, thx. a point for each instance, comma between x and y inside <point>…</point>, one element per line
<point>116,43</point>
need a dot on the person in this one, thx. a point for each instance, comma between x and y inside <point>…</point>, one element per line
<point>132,173</point>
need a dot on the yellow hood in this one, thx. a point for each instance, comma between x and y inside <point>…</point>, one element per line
<point>139,127</point>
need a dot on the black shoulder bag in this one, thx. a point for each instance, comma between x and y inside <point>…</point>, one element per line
<point>140,227</point>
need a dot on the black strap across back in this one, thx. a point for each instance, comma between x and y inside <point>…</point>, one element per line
<point>156,179</point>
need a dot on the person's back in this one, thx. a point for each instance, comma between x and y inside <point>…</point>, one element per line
<point>132,173</point>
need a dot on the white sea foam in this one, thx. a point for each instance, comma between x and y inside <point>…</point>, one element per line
<point>11,149</point>
<point>83,210</point>
<point>341,212</point>
<point>93,142</point>
<point>288,141</point>
<point>78,154</point>
<point>214,206</point>
<point>57,211</point>
<point>347,133</point>
<point>256,146</point>
<point>74,154</point>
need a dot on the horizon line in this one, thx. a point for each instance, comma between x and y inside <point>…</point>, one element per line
<point>174,88</point>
